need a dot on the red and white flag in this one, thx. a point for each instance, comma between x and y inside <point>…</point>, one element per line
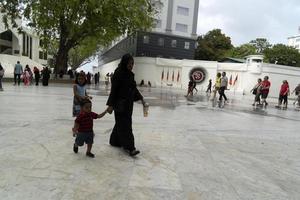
<point>230,80</point>
<point>168,75</point>
<point>235,80</point>
<point>162,74</point>
<point>178,76</point>
<point>173,76</point>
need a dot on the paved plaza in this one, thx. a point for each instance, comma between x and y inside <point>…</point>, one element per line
<point>190,150</point>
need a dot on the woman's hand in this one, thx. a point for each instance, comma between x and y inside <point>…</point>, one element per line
<point>109,109</point>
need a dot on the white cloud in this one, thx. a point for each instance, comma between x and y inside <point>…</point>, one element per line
<point>244,20</point>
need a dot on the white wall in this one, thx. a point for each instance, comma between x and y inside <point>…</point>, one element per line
<point>150,69</point>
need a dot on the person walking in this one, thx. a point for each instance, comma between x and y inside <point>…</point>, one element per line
<point>46,76</point>
<point>122,96</point>
<point>209,86</point>
<point>83,127</point>
<point>224,84</point>
<point>283,94</point>
<point>18,70</point>
<point>297,93</point>
<point>216,86</point>
<point>1,76</point>
<point>257,92</point>
<point>266,84</point>
<point>37,75</point>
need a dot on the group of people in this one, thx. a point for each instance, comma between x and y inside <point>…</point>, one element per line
<point>27,75</point>
<point>120,101</point>
<point>220,87</point>
<point>261,91</point>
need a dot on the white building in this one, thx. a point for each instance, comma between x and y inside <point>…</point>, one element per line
<point>177,17</point>
<point>294,41</point>
<point>24,47</point>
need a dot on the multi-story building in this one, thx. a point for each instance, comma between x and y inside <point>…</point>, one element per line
<point>173,34</point>
<point>25,47</point>
<point>294,41</point>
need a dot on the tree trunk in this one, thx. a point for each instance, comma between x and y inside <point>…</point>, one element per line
<point>61,60</point>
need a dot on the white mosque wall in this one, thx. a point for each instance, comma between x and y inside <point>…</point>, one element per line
<point>245,74</point>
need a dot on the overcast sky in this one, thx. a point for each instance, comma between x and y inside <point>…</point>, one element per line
<point>244,20</point>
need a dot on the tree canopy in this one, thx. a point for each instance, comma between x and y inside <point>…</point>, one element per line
<point>71,22</point>
<point>283,55</point>
<point>242,51</point>
<point>214,45</point>
<point>261,44</point>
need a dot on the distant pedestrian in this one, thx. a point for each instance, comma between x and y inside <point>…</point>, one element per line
<point>26,77</point>
<point>283,94</point>
<point>37,75</point>
<point>45,76</point>
<point>107,80</point>
<point>96,78</point>
<point>257,92</point>
<point>79,92</point>
<point>88,78</point>
<point>1,76</point>
<point>266,84</point>
<point>83,127</point>
<point>297,93</point>
<point>190,87</point>
<point>217,85</point>
<point>209,86</point>
<point>224,84</point>
<point>18,71</point>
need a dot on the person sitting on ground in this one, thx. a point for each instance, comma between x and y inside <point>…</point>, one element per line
<point>83,127</point>
<point>142,82</point>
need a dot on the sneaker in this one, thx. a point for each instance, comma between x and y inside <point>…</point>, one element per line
<point>75,148</point>
<point>89,154</point>
<point>134,152</point>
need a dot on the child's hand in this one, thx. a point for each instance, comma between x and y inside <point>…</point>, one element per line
<point>75,131</point>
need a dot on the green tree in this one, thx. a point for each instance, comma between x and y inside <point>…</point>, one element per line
<point>261,44</point>
<point>83,53</point>
<point>70,22</point>
<point>214,45</point>
<point>283,55</point>
<point>242,51</point>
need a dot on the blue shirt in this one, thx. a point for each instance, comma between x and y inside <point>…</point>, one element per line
<point>18,69</point>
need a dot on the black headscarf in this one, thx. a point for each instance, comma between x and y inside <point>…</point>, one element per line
<point>124,61</point>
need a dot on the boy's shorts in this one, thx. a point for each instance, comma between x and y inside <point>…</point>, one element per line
<point>264,95</point>
<point>86,137</point>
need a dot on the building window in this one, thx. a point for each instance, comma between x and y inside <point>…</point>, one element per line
<point>146,39</point>
<point>181,27</point>
<point>186,45</point>
<point>43,55</point>
<point>157,23</point>
<point>161,41</point>
<point>182,11</point>
<point>174,43</point>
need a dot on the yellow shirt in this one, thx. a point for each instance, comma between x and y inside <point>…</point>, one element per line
<point>218,82</point>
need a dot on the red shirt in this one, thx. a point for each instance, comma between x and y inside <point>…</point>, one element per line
<point>284,89</point>
<point>85,121</point>
<point>265,84</point>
